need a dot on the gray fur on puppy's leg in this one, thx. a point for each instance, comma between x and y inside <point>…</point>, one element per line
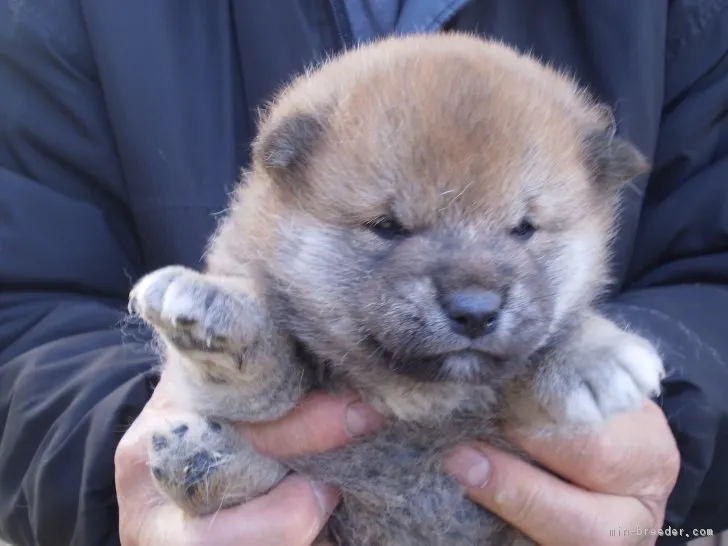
<point>225,360</point>
<point>602,370</point>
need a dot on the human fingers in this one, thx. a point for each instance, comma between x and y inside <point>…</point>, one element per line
<point>634,454</point>
<point>321,422</point>
<point>293,513</point>
<point>138,500</point>
<point>549,510</point>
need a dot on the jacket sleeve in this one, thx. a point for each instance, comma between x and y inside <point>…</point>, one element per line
<point>73,374</point>
<point>679,293</point>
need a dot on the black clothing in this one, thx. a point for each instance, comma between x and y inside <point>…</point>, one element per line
<point>123,126</point>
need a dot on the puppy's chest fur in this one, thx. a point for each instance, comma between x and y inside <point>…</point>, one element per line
<point>393,486</point>
<point>395,492</point>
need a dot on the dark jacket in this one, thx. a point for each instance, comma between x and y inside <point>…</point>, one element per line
<point>122,129</point>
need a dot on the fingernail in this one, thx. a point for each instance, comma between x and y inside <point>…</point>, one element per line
<point>469,467</point>
<point>327,497</point>
<point>361,419</point>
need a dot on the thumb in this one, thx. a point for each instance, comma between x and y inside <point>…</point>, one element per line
<point>544,507</point>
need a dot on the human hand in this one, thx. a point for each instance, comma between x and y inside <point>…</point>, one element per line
<point>293,513</point>
<point>618,479</point>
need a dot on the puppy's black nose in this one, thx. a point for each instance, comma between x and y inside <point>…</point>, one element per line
<point>473,313</point>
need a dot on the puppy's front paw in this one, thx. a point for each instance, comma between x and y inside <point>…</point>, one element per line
<point>196,315</point>
<point>204,465</point>
<point>611,378</point>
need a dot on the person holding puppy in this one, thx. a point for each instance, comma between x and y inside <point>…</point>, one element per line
<point>123,126</point>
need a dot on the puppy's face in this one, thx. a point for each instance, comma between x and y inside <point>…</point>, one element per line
<point>442,209</point>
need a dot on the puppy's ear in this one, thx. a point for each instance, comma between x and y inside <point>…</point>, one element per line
<point>285,148</point>
<point>614,161</point>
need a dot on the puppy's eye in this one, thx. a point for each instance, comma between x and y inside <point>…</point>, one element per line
<point>524,230</point>
<point>386,227</point>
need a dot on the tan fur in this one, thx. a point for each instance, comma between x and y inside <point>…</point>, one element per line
<point>457,141</point>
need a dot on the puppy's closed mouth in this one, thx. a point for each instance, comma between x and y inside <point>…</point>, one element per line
<point>471,364</point>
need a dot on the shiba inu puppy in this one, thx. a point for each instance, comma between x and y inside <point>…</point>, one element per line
<point>426,221</point>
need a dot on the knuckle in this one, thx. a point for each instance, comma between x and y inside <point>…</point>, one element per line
<point>671,466</point>
<point>123,465</point>
<point>124,451</point>
<point>604,453</point>
<point>126,538</point>
<point>602,460</point>
<point>666,457</point>
<point>663,480</point>
<point>671,460</point>
<point>130,457</point>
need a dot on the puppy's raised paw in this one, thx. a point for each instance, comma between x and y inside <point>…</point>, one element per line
<point>600,372</point>
<point>204,465</point>
<point>198,315</point>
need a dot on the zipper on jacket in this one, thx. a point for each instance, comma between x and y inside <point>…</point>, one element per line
<point>341,22</point>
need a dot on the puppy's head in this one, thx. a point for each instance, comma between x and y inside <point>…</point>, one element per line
<point>438,208</point>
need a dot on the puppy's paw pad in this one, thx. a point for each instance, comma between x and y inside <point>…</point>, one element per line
<point>194,313</point>
<point>191,461</point>
<point>204,464</point>
<point>194,470</point>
